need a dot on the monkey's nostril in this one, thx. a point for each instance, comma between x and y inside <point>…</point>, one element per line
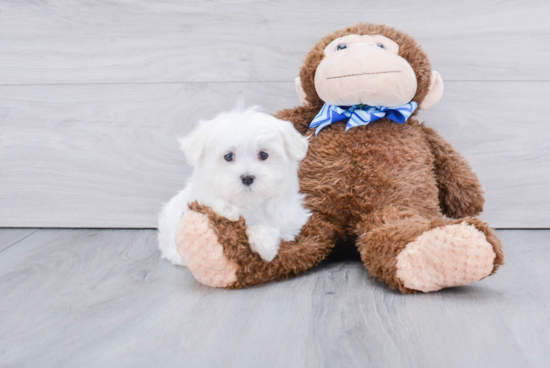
<point>247,179</point>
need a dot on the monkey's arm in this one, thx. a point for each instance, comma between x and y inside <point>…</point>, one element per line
<point>218,253</point>
<point>460,192</point>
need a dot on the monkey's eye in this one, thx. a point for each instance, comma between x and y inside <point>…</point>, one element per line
<point>381,46</point>
<point>341,46</point>
<point>263,155</point>
<point>229,157</point>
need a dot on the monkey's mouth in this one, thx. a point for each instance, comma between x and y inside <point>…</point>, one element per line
<point>355,75</point>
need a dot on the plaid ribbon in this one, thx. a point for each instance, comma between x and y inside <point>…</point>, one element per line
<point>360,115</point>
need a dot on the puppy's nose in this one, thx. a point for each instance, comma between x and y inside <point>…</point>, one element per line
<point>247,179</point>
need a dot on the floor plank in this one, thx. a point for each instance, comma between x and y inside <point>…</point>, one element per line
<point>48,42</point>
<point>9,237</point>
<point>106,155</point>
<point>104,298</point>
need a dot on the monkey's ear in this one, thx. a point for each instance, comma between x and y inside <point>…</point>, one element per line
<point>434,92</point>
<point>300,91</point>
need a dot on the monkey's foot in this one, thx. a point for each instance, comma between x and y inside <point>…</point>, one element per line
<point>201,251</point>
<point>452,255</point>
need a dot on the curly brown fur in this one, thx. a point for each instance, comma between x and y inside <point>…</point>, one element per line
<point>383,184</point>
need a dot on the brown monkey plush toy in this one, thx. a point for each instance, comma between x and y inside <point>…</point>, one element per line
<point>373,175</point>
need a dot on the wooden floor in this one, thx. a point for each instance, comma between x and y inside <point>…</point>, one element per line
<point>103,298</point>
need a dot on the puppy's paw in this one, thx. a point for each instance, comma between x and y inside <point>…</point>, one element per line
<point>231,213</point>
<point>228,211</point>
<point>263,240</point>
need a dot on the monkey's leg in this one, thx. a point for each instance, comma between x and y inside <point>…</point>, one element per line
<point>216,250</point>
<point>412,253</point>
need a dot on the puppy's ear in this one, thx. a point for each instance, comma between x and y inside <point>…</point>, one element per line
<point>193,143</point>
<point>295,143</point>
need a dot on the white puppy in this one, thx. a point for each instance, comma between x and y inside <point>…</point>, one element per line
<point>245,164</point>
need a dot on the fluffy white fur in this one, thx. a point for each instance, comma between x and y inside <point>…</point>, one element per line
<point>272,205</point>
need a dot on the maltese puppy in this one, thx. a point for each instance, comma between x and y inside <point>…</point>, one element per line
<point>245,163</point>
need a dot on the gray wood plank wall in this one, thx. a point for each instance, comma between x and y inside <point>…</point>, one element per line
<point>93,93</point>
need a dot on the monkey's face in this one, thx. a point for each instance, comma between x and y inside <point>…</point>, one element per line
<point>364,69</point>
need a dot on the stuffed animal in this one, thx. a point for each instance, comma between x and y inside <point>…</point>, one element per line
<point>373,175</point>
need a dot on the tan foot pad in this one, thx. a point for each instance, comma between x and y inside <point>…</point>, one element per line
<point>452,255</point>
<point>202,253</point>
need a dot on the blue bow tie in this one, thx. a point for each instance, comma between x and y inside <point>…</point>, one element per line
<point>360,115</point>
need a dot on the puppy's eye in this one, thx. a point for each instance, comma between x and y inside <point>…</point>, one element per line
<point>263,155</point>
<point>229,157</point>
<point>341,46</point>
<point>381,46</point>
